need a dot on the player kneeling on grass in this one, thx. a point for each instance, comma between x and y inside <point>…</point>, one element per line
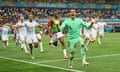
<point>5,36</point>
<point>73,25</point>
<point>31,36</point>
<point>55,34</point>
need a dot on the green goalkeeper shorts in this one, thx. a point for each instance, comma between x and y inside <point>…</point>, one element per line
<point>74,43</point>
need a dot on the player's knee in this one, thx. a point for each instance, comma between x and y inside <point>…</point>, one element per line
<point>62,43</point>
<point>82,45</point>
<point>36,45</point>
<point>55,43</point>
<point>39,40</point>
<point>30,45</point>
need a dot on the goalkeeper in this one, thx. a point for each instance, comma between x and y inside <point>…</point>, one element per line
<point>73,25</point>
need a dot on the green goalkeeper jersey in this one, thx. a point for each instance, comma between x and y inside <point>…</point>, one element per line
<point>73,27</point>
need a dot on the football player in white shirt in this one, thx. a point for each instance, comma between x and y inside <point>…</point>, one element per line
<point>86,32</point>
<point>16,34</point>
<point>31,36</point>
<point>94,31</point>
<point>4,35</point>
<point>22,33</point>
<point>39,35</point>
<point>101,26</point>
<point>93,34</point>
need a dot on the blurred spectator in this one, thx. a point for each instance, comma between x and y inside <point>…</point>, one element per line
<point>67,1</point>
<point>11,13</point>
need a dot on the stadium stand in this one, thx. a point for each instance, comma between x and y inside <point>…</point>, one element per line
<point>10,10</point>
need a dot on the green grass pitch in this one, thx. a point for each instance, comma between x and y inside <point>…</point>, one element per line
<point>102,58</point>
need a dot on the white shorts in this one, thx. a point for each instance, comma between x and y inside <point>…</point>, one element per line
<point>17,36</point>
<point>22,37</point>
<point>87,35</point>
<point>93,34</point>
<point>38,36</point>
<point>4,37</point>
<point>59,35</point>
<point>101,33</point>
<point>56,36</point>
<point>31,39</point>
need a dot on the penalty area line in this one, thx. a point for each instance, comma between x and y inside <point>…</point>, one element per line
<point>91,57</point>
<point>43,65</point>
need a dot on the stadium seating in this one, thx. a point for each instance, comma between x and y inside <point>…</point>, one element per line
<point>12,9</point>
<point>67,1</point>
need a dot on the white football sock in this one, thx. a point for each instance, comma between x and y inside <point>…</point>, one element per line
<point>41,46</point>
<point>25,48</point>
<point>64,52</point>
<point>99,40</point>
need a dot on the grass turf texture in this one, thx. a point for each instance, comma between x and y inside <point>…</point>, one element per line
<point>110,63</point>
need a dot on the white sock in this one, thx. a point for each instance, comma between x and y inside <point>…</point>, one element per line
<point>64,52</point>
<point>19,41</point>
<point>99,40</point>
<point>25,48</point>
<point>41,46</point>
<point>7,43</point>
<point>33,45</point>
<point>16,41</point>
<point>22,45</point>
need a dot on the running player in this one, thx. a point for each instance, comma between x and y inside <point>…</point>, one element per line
<point>93,33</point>
<point>86,32</point>
<point>16,34</point>
<point>20,26</point>
<point>4,35</point>
<point>39,34</point>
<point>73,25</point>
<point>54,32</point>
<point>31,36</point>
<point>101,26</point>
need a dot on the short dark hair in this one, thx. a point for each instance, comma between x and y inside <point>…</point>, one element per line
<point>56,12</point>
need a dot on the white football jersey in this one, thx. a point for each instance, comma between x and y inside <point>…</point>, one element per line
<point>30,26</point>
<point>95,26</point>
<point>101,25</point>
<point>22,30</point>
<point>5,30</point>
<point>87,30</point>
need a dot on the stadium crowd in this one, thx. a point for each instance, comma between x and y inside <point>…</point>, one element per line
<point>13,13</point>
<point>68,1</point>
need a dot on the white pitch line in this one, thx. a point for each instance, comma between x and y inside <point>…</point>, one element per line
<point>79,58</point>
<point>43,65</point>
<point>103,39</point>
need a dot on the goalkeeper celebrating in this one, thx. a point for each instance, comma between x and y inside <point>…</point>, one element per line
<point>73,25</point>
